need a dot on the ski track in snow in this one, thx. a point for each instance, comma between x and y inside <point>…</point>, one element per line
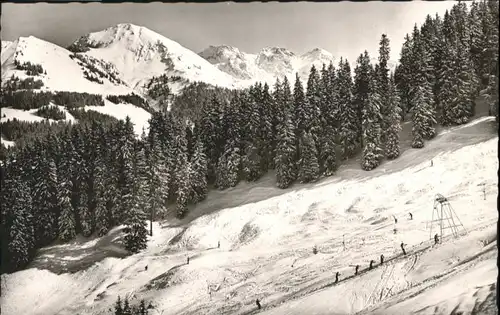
<point>260,242</point>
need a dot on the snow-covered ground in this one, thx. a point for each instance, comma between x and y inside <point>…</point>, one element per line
<point>266,247</point>
<point>138,116</point>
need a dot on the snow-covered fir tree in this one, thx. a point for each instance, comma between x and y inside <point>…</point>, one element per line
<point>361,92</point>
<point>372,130</point>
<point>199,172</point>
<point>183,191</point>
<point>308,166</point>
<point>383,84</point>
<point>266,125</point>
<point>67,224</point>
<point>348,133</point>
<point>299,110</point>
<point>136,233</point>
<point>46,202</point>
<point>251,158</point>
<point>421,97</point>
<point>286,150</point>
<point>313,104</point>
<point>402,76</point>
<point>392,145</point>
<point>328,155</point>
<point>18,220</point>
<point>419,118</point>
<point>85,216</point>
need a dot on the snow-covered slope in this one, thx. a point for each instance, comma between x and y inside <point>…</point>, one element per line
<point>63,73</point>
<point>139,54</point>
<point>266,248</point>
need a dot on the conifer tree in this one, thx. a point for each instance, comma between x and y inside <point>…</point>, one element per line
<point>126,170</point>
<point>299,107</point>
<point>308,166</point>
<point>136,233</point>
<point>19,223</point>
<point>419,118</point>
<point>184,191</point>
<point>392,146</point>
<point>45,194</point>
<point>118,307</point>
<point>362,78</point>
<point>251,157</point>
<point>421,91</point>
<point>67,224</point>
<point>126,307</point>
<point>102,215</point>
<point>277,106</point>
<point>199,172</point>
<point>286,150</point>
<point>383,85</point>
<point>312,105</point>
<point>85,216</point>
<point>328,154</point>
<point>402,76</point>
<point>268,151</point>
<point>347,118</point>
<point>372,151</point>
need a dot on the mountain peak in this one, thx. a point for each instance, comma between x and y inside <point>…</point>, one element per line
<point>276,51</point>
<point>318,53</point>
<point>212,53</point>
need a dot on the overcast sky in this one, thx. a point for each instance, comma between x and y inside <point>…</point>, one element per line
<point>343,28</point>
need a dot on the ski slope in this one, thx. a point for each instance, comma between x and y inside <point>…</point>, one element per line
<point>266,249</point>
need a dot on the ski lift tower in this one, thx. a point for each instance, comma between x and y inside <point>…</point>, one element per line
<point>446,217</point>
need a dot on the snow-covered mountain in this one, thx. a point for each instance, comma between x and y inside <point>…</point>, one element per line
<point>271,62</point>
<point>139,54</point>
<point>62,71</point>
<point>268,64</point>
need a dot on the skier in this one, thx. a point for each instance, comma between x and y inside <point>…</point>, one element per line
<point>432,163</point>
<point>337,277</point>
<point>411,216</point>
<point>371,264</point>
<point>395,220</point>
<point>381,259</point>
<point>188,260</point>
<point>436,239</point>
<point>403,248</point>
<point>146,268</point>
<point>218,244</point>
<point>356,271</point>
<point>258,304</point>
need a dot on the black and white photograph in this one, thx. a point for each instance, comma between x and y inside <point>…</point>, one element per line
<point>225,158</point>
